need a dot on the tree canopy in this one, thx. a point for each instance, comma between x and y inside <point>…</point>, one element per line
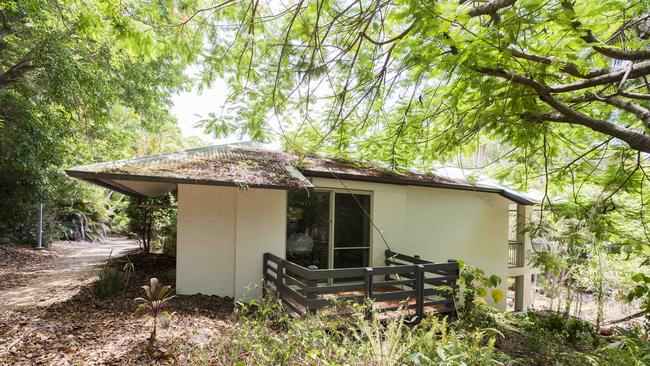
<point>81,82</point>
<point>543,94</point>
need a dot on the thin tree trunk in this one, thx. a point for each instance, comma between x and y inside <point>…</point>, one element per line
<point>152,338</point>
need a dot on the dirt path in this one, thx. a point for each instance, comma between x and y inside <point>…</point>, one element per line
<point>75,263</point>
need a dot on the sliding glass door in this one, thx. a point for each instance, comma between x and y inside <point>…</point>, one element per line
<point>308,227</point>
<point>328,229</point>
<point>351,241</point>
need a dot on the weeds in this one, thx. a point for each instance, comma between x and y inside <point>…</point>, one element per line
<point>108,283</point>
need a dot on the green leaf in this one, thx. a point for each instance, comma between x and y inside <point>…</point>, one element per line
<point>494,280</point>
<point>497,295</point>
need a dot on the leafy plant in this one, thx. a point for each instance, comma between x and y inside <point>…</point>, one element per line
<point>572,330</point>
<point>108,283</point>
<point>148,217</point>
<point>642,292</point>
<point>475,285</point>
<point>157,296</point>
<point>129,271</point>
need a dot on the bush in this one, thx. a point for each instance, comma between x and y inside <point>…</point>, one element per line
<point>571,330</point>
<point>168,236</point>
<point>108,283</point>
<point>265,335</point>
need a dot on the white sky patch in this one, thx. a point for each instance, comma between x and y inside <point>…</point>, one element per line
<point>191,106</point>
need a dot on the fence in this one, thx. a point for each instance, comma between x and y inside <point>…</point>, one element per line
<point>404,283</point>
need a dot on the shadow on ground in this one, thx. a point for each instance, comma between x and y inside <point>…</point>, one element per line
<point>81,329</point>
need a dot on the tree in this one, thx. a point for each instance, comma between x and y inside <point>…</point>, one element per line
<point>67,70</point>
<point>554,91</point>
<point>148,218</point>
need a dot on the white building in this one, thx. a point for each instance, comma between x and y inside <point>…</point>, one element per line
<point>239,201</point>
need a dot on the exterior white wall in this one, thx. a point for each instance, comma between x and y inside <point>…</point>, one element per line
<point>221,236</point>
<point>261,227</point>
<point>224,231</point>
<point>438,224</point>
<point>205,254</point>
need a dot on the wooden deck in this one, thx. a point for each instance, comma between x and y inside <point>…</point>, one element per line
<point>405,286</point>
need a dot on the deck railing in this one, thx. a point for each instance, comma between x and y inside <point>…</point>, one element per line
<point>404,283</point>
<point>515,254</point>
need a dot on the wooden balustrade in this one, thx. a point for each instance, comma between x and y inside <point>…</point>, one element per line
<point>404,283</point>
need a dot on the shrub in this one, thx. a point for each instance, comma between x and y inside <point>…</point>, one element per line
<point>571,330</point>
<point>266,335</point>
<point>108,283</point>
<point>168,236</point>
<point>157,296</point>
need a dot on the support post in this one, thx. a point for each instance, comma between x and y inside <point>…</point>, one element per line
<point>311,284</point>
<point>387,255</point>
<point>279,279</point>
<point>419,292</point>
<point>454,284</point>
<point>40,226</point>
<point>265,264</point>
<point>523,236</point>
<point>368,282</point>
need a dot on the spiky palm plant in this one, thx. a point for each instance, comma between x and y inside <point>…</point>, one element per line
<point>157,296</point>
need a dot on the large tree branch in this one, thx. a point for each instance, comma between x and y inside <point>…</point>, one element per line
<point>491,7</point>
<point>568,67</point>
<point>632,95</point>
<point>634,139</point>
<point>16,71</point>
<point>641,113</point>
<point>637,70</point>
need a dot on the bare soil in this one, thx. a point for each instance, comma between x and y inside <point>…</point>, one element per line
<point>60,323</point>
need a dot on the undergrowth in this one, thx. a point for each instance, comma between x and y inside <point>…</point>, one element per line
<point>265,335</point>
<point>108,283</point>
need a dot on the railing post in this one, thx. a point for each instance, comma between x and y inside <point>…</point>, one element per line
<point>368,282</point>
<point>279,279</point>
<point>419,292</point>
<point>265,269</point>
<point>454,283</point>
<point>387,255</point>
<point>311,284</point>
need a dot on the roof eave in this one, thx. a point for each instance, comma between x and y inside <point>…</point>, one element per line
<point>98,177</point>
<point>404,181</point>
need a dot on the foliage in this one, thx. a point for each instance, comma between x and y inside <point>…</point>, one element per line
<point>474,287</point>
<point>108,283</point>
<point>129,271</point>
<point>80,82</point>
<point>168,235</point>
<point>266,335</point>
<point>642,292</point>
<point>570,329</point>
<point>151,218</point>
<point>551,338</point>
<point>157,296</point>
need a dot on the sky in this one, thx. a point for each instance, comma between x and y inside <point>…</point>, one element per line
<point>191,106</point>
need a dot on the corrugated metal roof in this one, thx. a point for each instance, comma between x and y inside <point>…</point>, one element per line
<point>255,165</point>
